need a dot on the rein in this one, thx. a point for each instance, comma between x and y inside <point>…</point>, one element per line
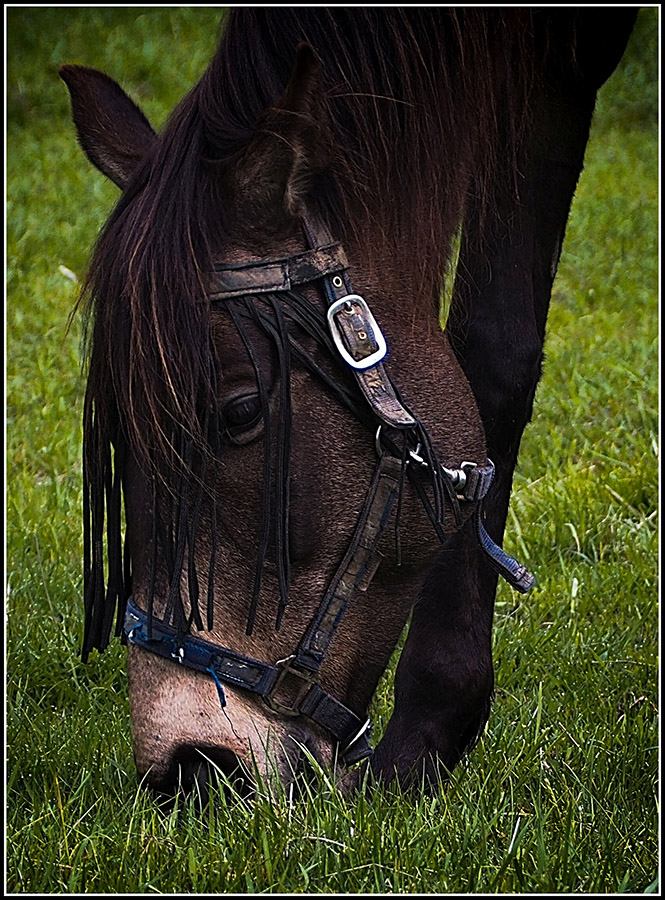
<point>351,335</point>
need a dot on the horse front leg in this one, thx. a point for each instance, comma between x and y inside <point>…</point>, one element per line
<point>444,680</point>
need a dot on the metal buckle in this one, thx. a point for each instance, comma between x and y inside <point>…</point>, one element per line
<point>308,680</point>
<point>373,358</point>
<point>460,477</point>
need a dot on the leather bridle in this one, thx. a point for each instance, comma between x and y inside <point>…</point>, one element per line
<point>291,686</point>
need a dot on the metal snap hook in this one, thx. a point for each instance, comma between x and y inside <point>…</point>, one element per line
<point>377,441</point>
<point>416,457</point>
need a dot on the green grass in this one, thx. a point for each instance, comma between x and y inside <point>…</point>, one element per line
<point>560,794</point>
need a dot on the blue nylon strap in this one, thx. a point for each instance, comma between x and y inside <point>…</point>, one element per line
<point>517,576</point>
<point>195,653</point>
<point>224,665</point>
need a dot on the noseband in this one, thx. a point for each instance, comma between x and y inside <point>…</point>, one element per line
<point>352,336</point>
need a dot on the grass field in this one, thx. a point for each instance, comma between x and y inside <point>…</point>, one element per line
<point>560,795</point>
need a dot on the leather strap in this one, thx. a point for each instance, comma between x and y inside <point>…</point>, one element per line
<point>263,679</point>
<point>273,275</point>
<point>373,382</point>
<point>358,566</point>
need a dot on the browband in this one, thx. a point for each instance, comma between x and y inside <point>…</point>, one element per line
<point>273,275</point>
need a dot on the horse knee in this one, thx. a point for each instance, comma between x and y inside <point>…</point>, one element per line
<point>447,702</point>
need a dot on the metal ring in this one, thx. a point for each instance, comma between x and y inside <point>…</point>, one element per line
<point>413,454</point>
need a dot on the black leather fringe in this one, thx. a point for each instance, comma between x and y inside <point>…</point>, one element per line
<point>179,498</point>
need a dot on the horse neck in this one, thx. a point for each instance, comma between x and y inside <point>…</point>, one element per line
<point>399,114</point>
<point>388,276</point>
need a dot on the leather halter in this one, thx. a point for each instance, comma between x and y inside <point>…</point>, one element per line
<point>290,687</point>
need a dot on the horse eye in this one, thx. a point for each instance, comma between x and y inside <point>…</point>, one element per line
<point>242,414</point>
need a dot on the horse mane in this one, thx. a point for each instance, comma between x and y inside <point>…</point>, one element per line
<point>421,102</point>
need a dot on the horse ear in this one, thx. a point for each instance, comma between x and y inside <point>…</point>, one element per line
<point>299,120</point>
<point>302,95</point>
<point>290,142</point>
<point>112,131</point>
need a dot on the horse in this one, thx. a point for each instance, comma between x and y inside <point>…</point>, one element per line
<point>285,457</point>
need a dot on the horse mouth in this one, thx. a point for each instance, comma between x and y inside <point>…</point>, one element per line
<point>200,772</point>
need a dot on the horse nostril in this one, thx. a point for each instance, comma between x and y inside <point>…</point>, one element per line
<point>194,770</point>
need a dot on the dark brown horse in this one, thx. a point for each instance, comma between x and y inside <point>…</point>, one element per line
<point>236,385</point>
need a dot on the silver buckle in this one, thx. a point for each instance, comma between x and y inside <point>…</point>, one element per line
<point>373,358</point>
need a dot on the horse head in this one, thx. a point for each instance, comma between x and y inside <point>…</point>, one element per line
<point>286,480</point>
